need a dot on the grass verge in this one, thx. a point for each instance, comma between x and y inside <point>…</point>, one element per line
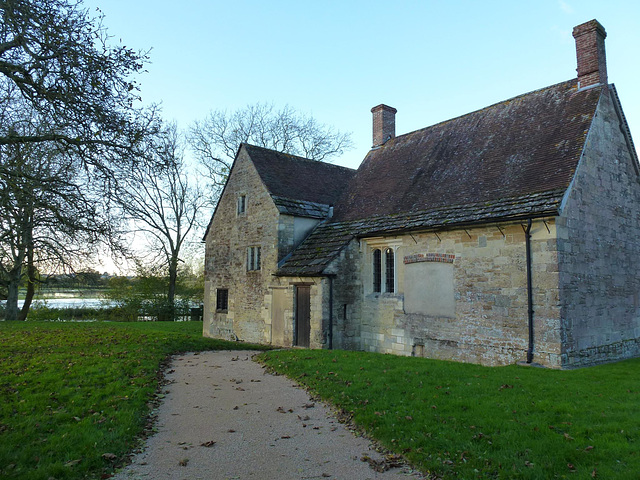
<point>75,397</point>
<point>466,421</point>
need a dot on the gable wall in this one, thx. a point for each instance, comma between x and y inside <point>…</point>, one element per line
<point>227,241</point>
<point>599,249</point>
<point>481,316</point>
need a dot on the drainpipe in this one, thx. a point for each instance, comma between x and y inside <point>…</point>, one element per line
<point>527,236</point>
<point>330,313</point>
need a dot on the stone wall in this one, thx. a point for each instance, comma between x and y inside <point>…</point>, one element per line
<point>485,269</point>
<point>347,297</point>
<point>599,249</point>
<point>227,241</point>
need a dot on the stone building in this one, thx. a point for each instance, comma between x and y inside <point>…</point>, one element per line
<point>508,234</point>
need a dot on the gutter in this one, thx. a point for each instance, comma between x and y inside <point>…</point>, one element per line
<point>527,236</point>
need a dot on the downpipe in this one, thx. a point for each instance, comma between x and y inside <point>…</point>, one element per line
<point>527,236</point>
<point>330,313</point>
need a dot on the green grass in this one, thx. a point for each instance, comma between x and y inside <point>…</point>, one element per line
<point>467,421</point>
<point>72,392</point>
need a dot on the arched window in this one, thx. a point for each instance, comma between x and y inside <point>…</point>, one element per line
<point>389,270</point>
<point>377,270</point>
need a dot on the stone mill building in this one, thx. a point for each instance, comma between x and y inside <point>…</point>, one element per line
<point>510,234</point>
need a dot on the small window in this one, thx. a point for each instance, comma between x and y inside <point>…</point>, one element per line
<point>242,204</point>
<point>377,271</point>
<point>390,269</point>
<point>253,258</point>
<point>222,300</point>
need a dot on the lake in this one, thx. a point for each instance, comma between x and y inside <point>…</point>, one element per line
<point>70,302</point>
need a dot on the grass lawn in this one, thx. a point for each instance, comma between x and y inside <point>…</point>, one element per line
<point>466,421</point>
<point>74,397</point>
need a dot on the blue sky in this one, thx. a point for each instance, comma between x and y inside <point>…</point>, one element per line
<point>432,60</point>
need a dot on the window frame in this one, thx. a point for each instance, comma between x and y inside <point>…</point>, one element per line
<point>382,265</point>
<point>389,270</point>
<point>222,300</point>
<point>254,258</point>
<point>377,270</point>
<point>241,204</point>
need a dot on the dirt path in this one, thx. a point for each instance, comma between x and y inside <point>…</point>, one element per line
<point>224,417</point>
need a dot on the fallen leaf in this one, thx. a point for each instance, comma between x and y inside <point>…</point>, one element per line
<point>73,463</point>
<point>571,466</point>
<point>594,474</point>
<point>408,417</point>
<point>231,430</point>
<point>208,444</point>
<point>183,462</point>
<point>590,447</point>
<point>109,456</point>
<point>567,436</point>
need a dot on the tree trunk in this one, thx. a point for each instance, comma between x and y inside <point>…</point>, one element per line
<point>31,285</point>
<point>11,312</point>
<point>171,295</point>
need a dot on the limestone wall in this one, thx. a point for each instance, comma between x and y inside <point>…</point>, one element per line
<point>467,293</point>
<point>599,249</point>
<point>226,258</point>
<point>347,297</point>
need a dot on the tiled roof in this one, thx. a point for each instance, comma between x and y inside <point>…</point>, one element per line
<point>327,240</point>
<point>290,177</point>
<point>301,208</point>
<point>512,160</point>
<point>528,144</point>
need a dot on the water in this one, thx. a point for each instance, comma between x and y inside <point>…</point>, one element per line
<point>70,303</point>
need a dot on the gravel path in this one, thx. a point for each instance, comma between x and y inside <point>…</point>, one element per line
<point>224,417</point>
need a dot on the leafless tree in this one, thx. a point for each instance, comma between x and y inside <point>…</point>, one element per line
<point>163,205</point>
<point>59,59</point>
<point>52,217</point>
<point>215,140</point>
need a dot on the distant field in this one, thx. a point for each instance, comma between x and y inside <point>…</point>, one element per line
<point>74,397</point>
<point>461,421</point>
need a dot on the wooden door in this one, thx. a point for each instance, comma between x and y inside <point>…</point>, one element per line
<point>303,315</point>
<point>277,317</point>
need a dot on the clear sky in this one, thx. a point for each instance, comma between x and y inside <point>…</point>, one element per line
<point>432,60</point>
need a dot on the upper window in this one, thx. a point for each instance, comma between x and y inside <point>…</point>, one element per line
<point>253,258</point>
<point>383,269</point>
<point>389,270</point>
<point>242,204</point>
<point>222,300</point>
<point>377,270</point>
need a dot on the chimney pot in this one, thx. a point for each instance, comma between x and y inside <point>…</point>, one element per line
<point>590,52</point>
<point>384,124</point>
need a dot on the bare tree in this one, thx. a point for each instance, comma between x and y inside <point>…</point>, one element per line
<point>163,204</point>
<point>215,140</point>
<point>60,61</point>
<point>52,217</point>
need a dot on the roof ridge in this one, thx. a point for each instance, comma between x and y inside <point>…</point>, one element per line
<point>297,157</point>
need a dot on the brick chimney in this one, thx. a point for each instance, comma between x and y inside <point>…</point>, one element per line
<point>384,124</point>
<point>592,62</point>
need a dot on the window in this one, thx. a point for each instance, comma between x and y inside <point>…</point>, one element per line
<point>383,268</point>
<point>377,270</point>
<point>389,271</point>
<point>242,204</point>
<point>222,300</point>
<point>253,258</point>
